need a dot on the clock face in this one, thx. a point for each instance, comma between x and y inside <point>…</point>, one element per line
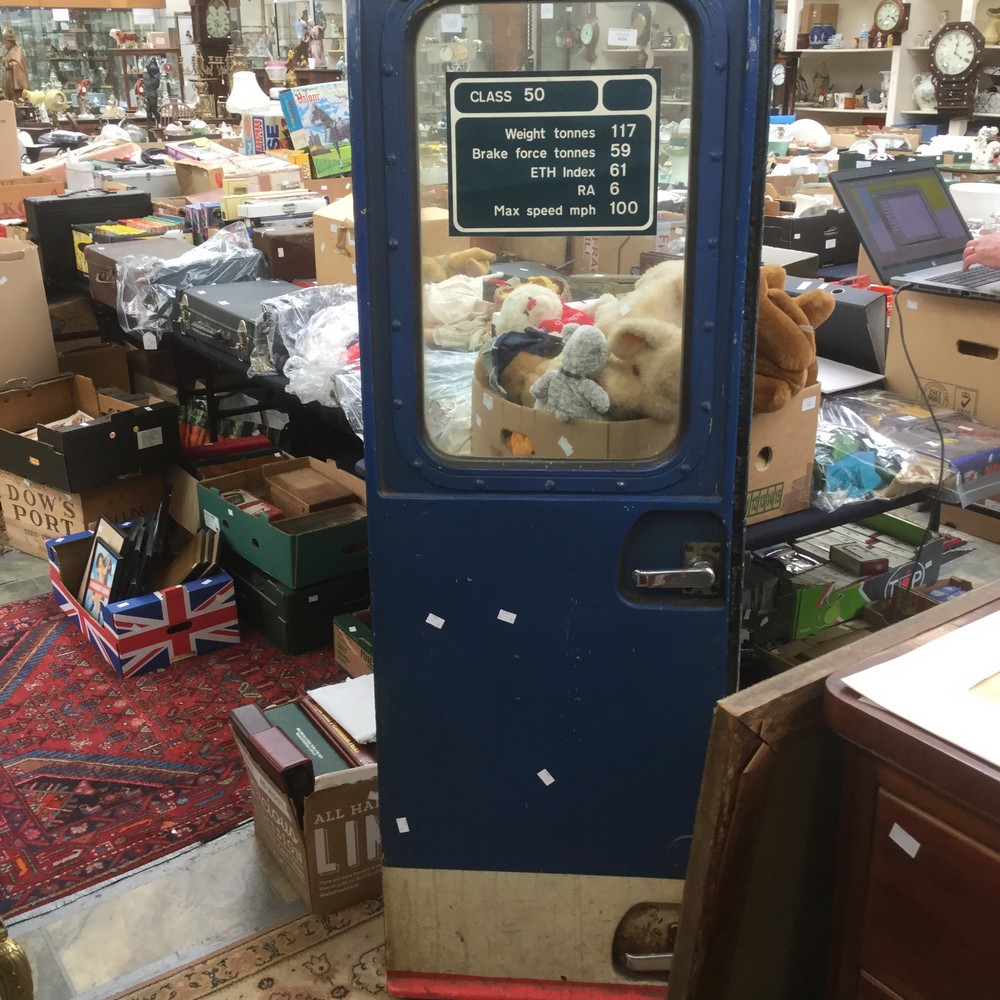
<point>954,52</point>
<point>778,75</point>
<point>460,52</point>
<point>587,33</point>
<point>447,54</point>
<point>217,23</point>
<point>887,15</point>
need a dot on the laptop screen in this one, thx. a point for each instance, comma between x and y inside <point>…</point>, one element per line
<point>904,216</point>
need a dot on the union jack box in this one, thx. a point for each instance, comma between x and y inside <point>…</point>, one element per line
<point>145,633</point>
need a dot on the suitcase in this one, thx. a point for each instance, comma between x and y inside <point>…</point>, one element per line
<point>227,315</point>
<point>102,262</point>
<point>51,218</point>
<point>290,251</point>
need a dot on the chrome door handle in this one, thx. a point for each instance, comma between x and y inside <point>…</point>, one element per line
<point>650,963</point>
<point>699,575</point>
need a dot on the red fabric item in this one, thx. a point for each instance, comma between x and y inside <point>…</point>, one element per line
<point>99,775</point>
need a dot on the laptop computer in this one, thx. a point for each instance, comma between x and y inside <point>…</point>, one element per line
<point>912,229</point>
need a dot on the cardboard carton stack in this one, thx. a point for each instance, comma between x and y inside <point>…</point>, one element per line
<point>294,538</point>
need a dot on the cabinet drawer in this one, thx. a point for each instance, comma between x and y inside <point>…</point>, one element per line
<point>930,918</point>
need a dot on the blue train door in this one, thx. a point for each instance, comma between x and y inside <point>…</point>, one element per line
<point>554,599</point>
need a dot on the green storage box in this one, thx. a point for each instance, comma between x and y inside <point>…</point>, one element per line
<point>297,551</point>
<point>295,620</point>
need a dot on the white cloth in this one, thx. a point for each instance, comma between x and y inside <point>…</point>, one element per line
<point>352,704</point>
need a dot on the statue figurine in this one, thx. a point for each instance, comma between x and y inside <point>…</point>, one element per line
<point>314,36</point>
<point>151,90</point>
<point>15,68</point>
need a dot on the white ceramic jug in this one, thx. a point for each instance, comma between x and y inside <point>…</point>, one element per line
<point>923,92</point>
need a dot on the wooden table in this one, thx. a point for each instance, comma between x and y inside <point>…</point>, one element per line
<point>918,908</point>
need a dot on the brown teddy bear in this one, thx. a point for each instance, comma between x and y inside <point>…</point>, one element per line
<point>473,263</point>
<point>786,339</point>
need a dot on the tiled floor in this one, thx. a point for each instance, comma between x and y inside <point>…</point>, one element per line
<point>174,911</point>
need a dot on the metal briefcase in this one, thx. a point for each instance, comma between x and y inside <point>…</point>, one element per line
<point>227,315</point>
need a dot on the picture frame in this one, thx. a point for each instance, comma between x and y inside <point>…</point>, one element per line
<point>107,552</point>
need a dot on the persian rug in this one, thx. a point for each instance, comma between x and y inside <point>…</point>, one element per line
<point>100,775</point>
<point>310,958</point>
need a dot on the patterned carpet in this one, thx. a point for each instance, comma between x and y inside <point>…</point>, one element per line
<point>100,775</point>
<point>311,958</point>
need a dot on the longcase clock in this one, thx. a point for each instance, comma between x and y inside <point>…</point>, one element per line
<point>211,29</point>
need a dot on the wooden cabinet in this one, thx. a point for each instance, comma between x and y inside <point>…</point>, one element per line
<point>919,871</point>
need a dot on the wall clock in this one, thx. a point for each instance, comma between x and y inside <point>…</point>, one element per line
<point>956,57</point>
<point>590,33</point>
<point>891,19</point>
<point>778,75</point>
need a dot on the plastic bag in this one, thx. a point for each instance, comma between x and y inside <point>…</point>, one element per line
<point>878,445</point>
<point>448,399</point>
<point>324,363</point>
<point>291,314</point>
<point>148,288</point>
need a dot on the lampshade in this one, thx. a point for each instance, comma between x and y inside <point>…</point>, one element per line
<point>246,97</point>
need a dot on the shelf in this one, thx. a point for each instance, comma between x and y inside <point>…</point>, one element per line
<point>676,104</point>
<point>842,51</point>
<point>807,112</point>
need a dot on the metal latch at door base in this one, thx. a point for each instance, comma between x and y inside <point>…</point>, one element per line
<point>649,963</point>
<point>699,573</point>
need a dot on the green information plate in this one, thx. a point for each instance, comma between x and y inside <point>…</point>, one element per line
<point>549,153</point>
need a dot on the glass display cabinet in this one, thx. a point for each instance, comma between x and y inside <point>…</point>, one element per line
<point>127,67</point>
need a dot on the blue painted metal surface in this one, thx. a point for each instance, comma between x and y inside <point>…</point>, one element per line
<point>608,690</point>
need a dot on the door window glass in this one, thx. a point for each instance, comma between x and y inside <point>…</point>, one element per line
<point>553,175</point>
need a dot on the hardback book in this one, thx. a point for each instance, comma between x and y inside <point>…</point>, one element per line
<point>357,753</point>
<point>300,729</point>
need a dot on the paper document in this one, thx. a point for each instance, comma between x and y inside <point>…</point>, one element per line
<point>352,704</point>
<point>950,687</point>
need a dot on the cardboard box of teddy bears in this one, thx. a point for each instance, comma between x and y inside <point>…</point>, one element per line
<point>605,383</point>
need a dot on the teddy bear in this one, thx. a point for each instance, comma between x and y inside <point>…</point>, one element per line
<point>567,392</point>
<point>526,305</point>
<point>786,339</point>
<point>643,374</point>
<point>473,263</point>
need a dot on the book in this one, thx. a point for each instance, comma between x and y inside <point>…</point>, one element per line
<point>299,728</point>
<point>356,753</point>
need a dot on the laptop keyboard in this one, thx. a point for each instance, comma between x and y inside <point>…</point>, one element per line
<point>975,277</point>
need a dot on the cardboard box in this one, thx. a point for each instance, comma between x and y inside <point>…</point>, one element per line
<point>978,521</point>
<point>14,232</point>
<point>28,350</point>
<point>827,594</point>
<point>296,620</point>
<point>353,643</point>
<point>844,136</point>
<point>119,439</point>
<point>10,161</point>
<point>817,13</point>
<point>954,345</point>
<point>798,651</point>
<point>146,633</point>
<point>303,485</point>
<point>780,457</point>
<point>334,858</point>
<point>904,603</point>
<point>105,366</point>
<point>53,168</point>
<point>831,236</point>
<point>495,419</point>
<point>334,188</point>
<point>34,513</point>
<point>256,173</point>
<point>14,191</point>
<point>71,315</point>
<point>336,250</point>
<point>295,558</point>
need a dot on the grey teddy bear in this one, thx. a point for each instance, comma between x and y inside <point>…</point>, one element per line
<point>567,392</point>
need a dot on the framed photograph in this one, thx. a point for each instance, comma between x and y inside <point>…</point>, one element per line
<point>107,551</point>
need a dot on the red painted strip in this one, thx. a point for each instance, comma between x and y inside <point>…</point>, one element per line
<point>438,986</point>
